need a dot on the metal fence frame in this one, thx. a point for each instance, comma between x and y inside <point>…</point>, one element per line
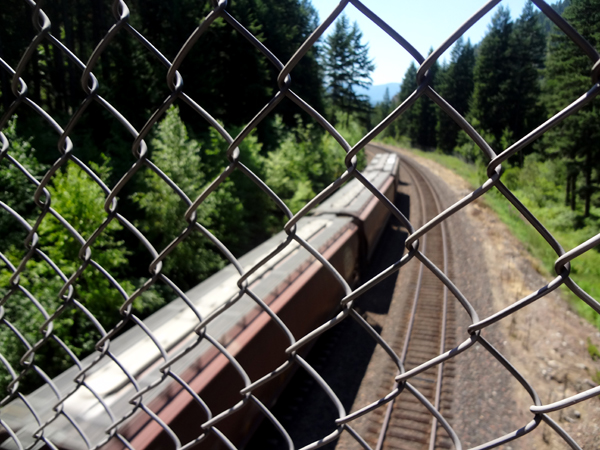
<point>90,85</point>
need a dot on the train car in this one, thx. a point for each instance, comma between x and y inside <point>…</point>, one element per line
<point>296,287</point>
<point>356,201</point>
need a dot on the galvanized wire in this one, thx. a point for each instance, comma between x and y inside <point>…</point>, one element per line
<point>138,403</point>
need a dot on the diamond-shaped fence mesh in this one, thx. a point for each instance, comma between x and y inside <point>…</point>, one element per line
<point>206,367</point>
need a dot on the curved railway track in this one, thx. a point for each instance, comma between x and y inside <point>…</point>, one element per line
<point>423,328</point>
<point>426,330</point>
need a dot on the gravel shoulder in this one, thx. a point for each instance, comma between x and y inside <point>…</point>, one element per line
<point>545,341</point>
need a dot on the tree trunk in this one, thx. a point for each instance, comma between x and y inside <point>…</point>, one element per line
<point>568,190</point>
<point>37,80</point>
<point>521,158</point>
<point>588,183</point>
<point>5,90</point>
<point>573,192</point>
<point>72,84</point>
<point>57,67</point>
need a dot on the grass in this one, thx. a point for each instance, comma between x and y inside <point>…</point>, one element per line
<point>593,350</point>
<point>537,190</point>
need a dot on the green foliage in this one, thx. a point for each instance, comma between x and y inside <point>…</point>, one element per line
<point>528,44</point>
<point>538,180</point>
<point>347,66</point>
<point>567,77</point>
<point>593,350</point>
<point>466,148</point>
<point>546,24</point>
<point>418,123</point>
<point>285,26</point>
<point>506,97</point>
<point>163,220</point>
<point>456,87</point>
<point>79,201</point>
<point>493,90</point>
<point>383,109</point>
<point>422,133</point>
<point>16,189</point>
<point>405,124</point>
<point>304,164</point>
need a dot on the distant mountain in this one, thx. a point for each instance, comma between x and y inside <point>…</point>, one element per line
<point>376,93</point>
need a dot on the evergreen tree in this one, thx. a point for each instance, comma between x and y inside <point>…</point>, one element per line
<point>493,87</point>
<point>423,133</point>
<point>304,164</point>
<point>383,108</point>
<point>546,24</point>
<point>528,55</point>
<point>419,121</point>
<point>506,98</point>
<point>404,125</point>
<point>567,78</point>
<point>387,101</point>
<point>347,66</point>
<point>187,162</point>
<point>285,25</point>
<point>16,190</point>
<point>456,87</point>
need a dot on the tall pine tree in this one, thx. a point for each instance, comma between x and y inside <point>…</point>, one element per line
<point>347,66</point>
<point>419,121</point>
<point>383,108</point>
<point>528,51</point>
<point>405,122</point>
<point>568,72</point>
<point>493,91</point>
<point>425,110</point>
<point>456,87</point>
<point>506,94</point>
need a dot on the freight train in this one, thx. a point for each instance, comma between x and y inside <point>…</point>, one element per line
<point>139,377</point>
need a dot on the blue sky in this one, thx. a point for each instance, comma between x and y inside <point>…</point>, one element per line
<point>424,23</point>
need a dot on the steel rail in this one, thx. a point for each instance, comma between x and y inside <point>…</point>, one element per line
<point>442,348</point>
<point>390,407</point>
<point>419,187</point>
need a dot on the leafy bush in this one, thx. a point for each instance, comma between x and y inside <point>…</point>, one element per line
<point>307,161</point>
<point>79,200</point>
<point>163,220</point>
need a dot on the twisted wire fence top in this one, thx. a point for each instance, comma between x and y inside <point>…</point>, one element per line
<point>61,409</point>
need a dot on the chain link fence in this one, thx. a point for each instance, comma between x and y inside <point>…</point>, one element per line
<point>46,420</point>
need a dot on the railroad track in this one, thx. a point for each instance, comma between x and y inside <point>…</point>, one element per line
<point>417,337</point>
<point>427,329</point>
